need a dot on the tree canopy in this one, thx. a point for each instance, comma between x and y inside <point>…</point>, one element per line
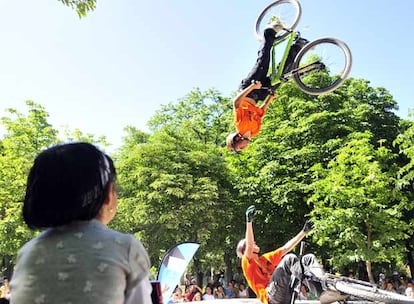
<point>343,159</point>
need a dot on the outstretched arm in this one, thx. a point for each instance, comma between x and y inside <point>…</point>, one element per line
<point>296,239</point>
<point>237,100</point>
<point>249,232</point>
<point>267,101</point>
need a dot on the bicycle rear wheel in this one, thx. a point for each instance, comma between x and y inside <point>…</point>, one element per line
<point>288,12</point>
<point>322,65</point>
<point>372,293</point>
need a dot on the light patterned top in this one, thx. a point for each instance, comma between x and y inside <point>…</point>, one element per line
<point>84,262</point>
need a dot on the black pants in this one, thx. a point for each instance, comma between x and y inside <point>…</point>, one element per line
<point>260,69</point>
<point>286,274</point>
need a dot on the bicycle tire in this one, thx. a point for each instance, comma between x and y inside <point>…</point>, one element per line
<point>372,293</point>
<point>294,8</point>
<point>332,53</point>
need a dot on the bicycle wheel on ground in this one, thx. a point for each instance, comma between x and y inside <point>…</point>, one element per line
<point>322,65</point>
<point>372,293</point>
<point>288,12</point>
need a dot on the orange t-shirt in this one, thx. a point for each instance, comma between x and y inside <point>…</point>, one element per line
<point>258,273</point>
<point>248,117</point>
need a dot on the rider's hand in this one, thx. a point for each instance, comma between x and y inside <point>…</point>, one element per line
<point>256,84</point>
<point>250,213</point>
<point>307,226</point>
<point>272,93</point>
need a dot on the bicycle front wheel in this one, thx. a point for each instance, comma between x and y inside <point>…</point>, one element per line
<point>288,12</point>
<point>372,293</point>
<point>322,66</point>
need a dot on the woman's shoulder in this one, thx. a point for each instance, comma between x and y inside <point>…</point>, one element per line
<point>136,249</point>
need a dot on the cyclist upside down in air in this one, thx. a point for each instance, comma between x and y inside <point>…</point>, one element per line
<point>247,115</point>
<point>256,87</point>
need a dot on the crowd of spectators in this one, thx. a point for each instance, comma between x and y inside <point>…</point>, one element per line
<point>397,283</point>
<point>218,288</point>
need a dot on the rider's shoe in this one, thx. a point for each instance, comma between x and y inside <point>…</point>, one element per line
<point>330,296</point>
<point>315,271</point>
<point>275,24</point>
<point>301,42</point>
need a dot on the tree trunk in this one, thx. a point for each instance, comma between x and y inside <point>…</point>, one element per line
<point>369,271</point>
<point>7,266</point>
<point>368,263</point>
<point>229,268</point>
<point>410,257</point>
<point>199,273</point>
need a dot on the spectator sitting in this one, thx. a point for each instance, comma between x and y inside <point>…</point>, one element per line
<point>390,287</point>
<point>197,297</point>
<point>243,291</point>
<point>208,295</point>
<point>229,291</point>
<point>219,292</point>
<point>409,291</point>
<point>77,259</point>
<point>4,289</point>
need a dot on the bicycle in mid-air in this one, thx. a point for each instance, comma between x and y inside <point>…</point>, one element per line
<point>319,67</point>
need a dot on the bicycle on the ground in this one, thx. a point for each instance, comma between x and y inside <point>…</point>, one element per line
<point>318,67</point>
<point>340,289</point>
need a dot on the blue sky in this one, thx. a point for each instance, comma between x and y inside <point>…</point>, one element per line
<point>118,65</point>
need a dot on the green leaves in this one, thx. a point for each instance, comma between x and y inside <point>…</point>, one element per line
<point>82,7</point>
<point>24,137</point>
<point>330,157</point>
<point>174,183</point>
<point>356,203</point>
<point>344,159</point>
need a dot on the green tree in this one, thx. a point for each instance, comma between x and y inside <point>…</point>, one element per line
<point>24,136</point>
<point>174,184</point>
<point>299,132</point>
<point>405,183</point>
<point>356,207</point>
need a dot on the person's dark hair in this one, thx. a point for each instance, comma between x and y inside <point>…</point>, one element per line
<point>66,183</point>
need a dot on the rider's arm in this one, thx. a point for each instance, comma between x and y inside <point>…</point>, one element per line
<point>267,101</point>
<point>249,240</point>
<point>237,100</point>
<point>293,242</point>
<point>248,251</point>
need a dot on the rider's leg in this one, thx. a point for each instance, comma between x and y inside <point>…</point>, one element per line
<point>311,266</point>
<point>294,50</point>
<point>286,274</point>
<point>261,68</point>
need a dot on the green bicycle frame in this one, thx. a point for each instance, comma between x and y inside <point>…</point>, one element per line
<point>276,70</point>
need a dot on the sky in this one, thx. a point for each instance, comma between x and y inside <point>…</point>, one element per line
<point>127,58</point>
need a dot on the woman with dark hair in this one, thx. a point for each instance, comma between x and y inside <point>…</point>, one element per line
<point>77,259</point>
